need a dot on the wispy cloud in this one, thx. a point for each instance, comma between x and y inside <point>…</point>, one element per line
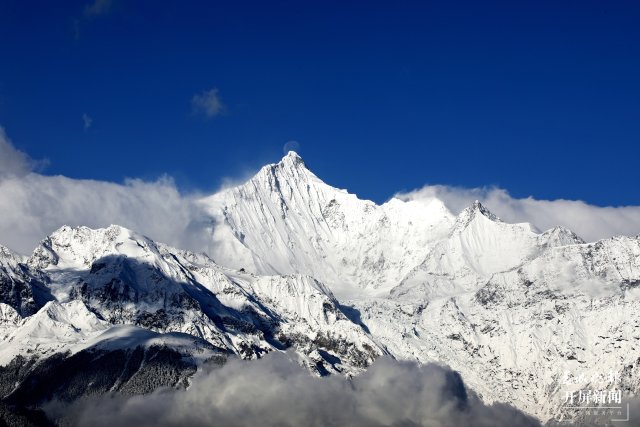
<point>275,391</point>
<point>208,103</point>
<point>87,121</point>
<point>588,221</point>
<point>91,11</point>
<point>97,8</point>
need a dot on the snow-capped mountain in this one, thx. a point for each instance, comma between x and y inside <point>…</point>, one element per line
<point>510,307</point>
<point>297,264</point>
<point>285,220</point>
<point>120,277</point>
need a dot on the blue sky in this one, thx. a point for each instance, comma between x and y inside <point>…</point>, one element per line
<point>541,98</point>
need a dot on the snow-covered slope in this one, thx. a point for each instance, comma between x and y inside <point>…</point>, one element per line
<point>52,329</point>
<point>285,220</point>
<point>297,264</point>
<point>507,305</point>
<point>114,276</point>
<point>515,335</point>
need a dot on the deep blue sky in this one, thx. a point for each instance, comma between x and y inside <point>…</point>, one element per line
<point>539,97</point>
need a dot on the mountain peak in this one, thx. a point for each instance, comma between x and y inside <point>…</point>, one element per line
<point>560,236</point>
<point>290,169</point>
<point>478,208</point>
<point>291,161</point>
<point>7,253</point>
<point>471,212</point>
<point>8,258</point>
<point>292,157</point>
<point>79,246</point>
<point>67,233</point>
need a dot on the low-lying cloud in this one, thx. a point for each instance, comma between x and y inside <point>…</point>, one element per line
<point>276,391</point>
<point>588,221</point>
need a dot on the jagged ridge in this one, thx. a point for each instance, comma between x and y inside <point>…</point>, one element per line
<point>509,307</point>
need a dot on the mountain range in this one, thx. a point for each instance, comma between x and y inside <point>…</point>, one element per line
<point>299,266</point>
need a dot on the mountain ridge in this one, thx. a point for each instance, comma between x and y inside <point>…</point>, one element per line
<point>297,264</point>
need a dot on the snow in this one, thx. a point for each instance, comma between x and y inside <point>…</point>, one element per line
<point>508,306</point>
<point>52,329</point>
<point>415,272</point>
<point>127,279</point>
<point>285,220</point>
<point>10,319</point>
<point>127,337</point>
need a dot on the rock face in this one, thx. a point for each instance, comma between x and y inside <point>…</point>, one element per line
<point>19,289</point>
<point>297,264</point>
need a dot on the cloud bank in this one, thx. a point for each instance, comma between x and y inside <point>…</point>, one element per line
<point>588,221</point>
<point>32,205</point>
<point>276,391</point>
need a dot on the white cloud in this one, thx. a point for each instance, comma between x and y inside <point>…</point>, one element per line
<point>208,103</point>
<point>33,206</point>
<point>14,162</point>
<point>588,221</point>
<point>275,391</point>
<point>87,121</point>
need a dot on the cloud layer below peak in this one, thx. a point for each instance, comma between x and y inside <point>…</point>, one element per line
<point>276,391</point>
